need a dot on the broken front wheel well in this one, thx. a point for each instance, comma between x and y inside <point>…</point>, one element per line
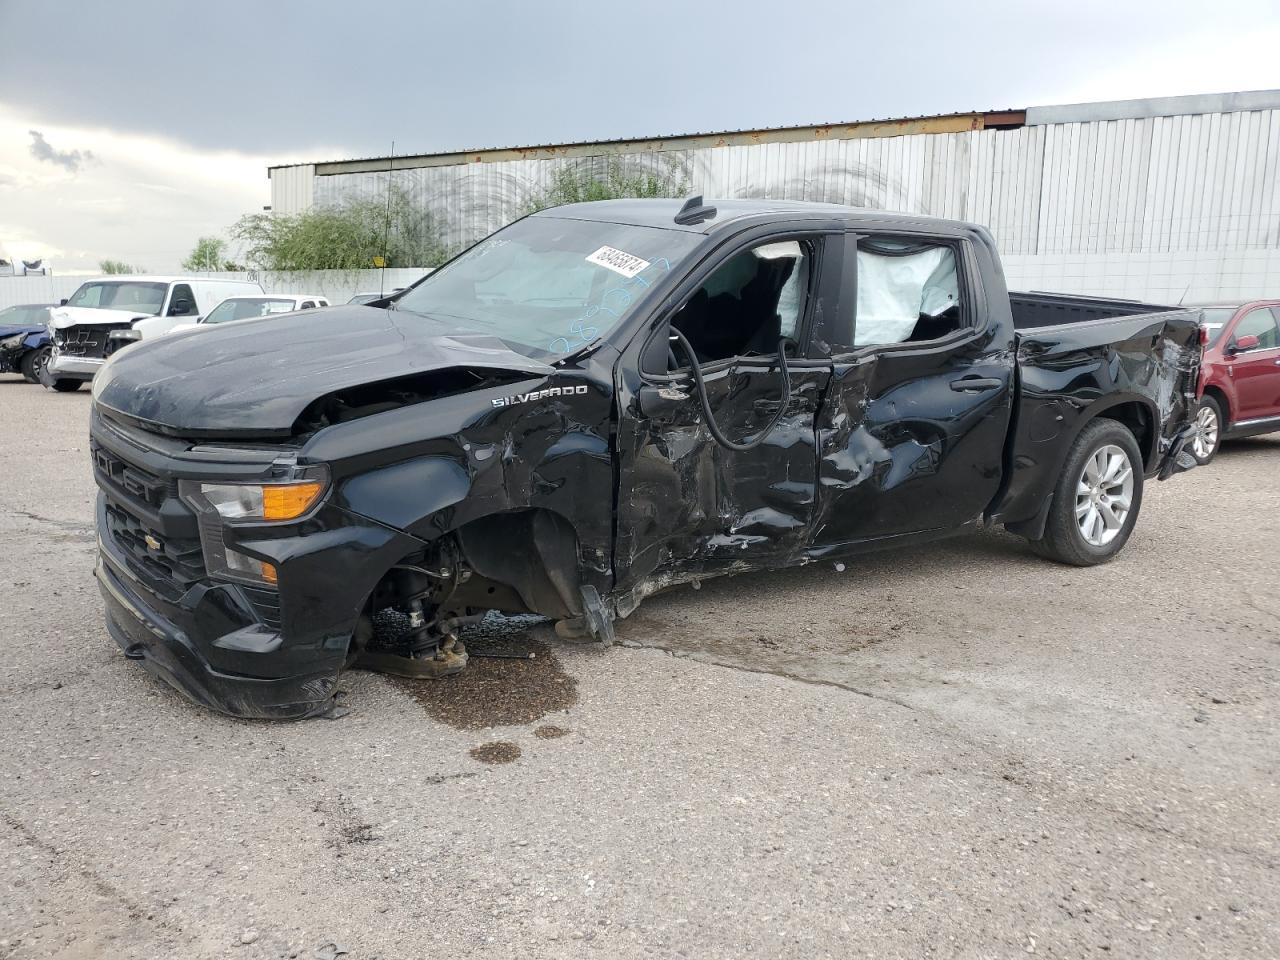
<point>532,553</point>
<point>522,561</point>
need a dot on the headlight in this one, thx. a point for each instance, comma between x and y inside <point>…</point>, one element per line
<point>125,335</point>
<point>262,501</point>
<point>277,500</point>
<point>12,343</point>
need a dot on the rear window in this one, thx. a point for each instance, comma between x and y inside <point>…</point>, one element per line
<point>248,308</point>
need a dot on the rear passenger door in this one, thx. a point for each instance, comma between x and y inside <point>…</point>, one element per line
<point>911,437</point>
<point>1256,371</point>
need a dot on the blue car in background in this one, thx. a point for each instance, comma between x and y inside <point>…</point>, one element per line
<point>24,339</point>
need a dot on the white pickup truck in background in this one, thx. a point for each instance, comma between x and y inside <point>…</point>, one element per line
<point>108,313</point>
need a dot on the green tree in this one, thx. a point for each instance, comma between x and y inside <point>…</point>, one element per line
<point>116,266</point>
<point>348,235</point>
<point>592,179</point>
<point>206,256</point>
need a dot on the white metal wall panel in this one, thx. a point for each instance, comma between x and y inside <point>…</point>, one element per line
<point>293,188</point>
<point>1150,184</point>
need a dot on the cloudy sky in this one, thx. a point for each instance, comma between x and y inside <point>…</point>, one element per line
<point>128,128</point>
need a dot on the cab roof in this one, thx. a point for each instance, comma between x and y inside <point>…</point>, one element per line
<point>662,212</point>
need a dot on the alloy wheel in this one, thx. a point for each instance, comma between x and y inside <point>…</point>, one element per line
<point>1205,440</point>
<point>1104,495</point>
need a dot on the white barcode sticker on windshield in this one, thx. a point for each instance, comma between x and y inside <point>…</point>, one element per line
<point>617,261</point>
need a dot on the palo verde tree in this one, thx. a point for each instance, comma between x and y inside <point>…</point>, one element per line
<point>350,235</point>
<point>609,178</point>
<point>207,255</point>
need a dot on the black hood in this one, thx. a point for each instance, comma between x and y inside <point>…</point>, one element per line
<point>252,378</point>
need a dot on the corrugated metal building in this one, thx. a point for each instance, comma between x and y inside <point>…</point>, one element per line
<point>1158,199</point>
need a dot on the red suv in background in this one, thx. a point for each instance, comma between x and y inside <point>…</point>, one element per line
<point>1240,377</point>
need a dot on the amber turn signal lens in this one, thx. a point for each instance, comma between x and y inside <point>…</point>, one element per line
<point>285,501</point>
<point>269,573</point>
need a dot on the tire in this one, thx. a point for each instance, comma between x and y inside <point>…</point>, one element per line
<point>1209,425</point>
<point>67,386</point>
<point>32,362</point>
<point>1088,497</point>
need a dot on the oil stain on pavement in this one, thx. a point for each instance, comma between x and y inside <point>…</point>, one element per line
<point>500,751</point>
<point>511,679</point>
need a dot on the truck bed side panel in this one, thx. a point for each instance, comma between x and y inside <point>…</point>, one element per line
<point>1141,369</point>
<point>1036,310</point>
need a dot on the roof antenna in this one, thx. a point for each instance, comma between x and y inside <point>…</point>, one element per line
<point>694,211</point>
<point>386,228</point>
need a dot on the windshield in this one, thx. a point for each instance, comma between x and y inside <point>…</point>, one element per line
<point>26,314</point>
<point>247,308</point>
<point>1215,321</point>
<point>131,295</point>
<point>549,286</point>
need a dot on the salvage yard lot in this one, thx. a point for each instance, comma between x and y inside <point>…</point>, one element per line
<point>956,750</point>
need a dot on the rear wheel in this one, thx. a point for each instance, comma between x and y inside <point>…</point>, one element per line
<point>1096,502</point>
<point>1204,445</point>
<point>67,386</point>
<point>33,362</point>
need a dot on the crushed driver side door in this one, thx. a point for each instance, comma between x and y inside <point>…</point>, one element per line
<point>687,504</point>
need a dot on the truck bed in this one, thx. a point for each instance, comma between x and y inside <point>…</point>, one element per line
<point>1036,309</point>
<point>1079,357</point>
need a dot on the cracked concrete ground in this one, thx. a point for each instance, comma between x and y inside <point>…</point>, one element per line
<point>954,751</point>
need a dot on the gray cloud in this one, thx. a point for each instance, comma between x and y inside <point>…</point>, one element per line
<point>502,72</point>
<point>71,160</point>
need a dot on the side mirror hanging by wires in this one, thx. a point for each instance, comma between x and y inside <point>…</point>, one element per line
<point>701,387</point>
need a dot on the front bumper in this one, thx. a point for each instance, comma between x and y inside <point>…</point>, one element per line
<point>63,367</point>
<point>162,637</point>
<point>251,652</point>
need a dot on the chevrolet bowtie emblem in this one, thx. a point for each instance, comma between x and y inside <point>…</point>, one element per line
<point>151,542</point>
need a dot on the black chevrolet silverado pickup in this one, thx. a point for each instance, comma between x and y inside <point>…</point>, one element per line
<point>595,403</point>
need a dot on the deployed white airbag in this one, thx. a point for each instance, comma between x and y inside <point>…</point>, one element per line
<point>895,290</point>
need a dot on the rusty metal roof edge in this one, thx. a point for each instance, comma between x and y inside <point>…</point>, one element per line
<point>1009,117</point>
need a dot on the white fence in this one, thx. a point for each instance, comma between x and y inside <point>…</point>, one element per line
<point>338,286</point>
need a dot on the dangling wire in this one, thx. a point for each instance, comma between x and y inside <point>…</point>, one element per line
<point>701,388</point>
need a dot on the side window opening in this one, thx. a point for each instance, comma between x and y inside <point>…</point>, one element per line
<point>746,305</point>
<point>908,292</point>
<point>182,292</point>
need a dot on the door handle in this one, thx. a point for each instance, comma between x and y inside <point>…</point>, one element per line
<point>976,384</point>
<point>1278,363</point>
<point>770,407</point>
